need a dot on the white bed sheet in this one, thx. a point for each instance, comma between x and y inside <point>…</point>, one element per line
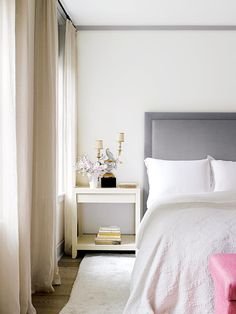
<point>175,239</point>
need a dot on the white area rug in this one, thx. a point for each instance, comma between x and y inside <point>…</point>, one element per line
<point>102,285</point>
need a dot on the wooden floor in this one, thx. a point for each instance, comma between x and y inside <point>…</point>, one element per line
<point>52,303</point>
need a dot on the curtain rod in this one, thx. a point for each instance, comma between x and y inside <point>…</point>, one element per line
<point>156,27</point>
<point>66,14</point>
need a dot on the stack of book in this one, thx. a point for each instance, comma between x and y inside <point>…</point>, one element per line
<point>108,236</point>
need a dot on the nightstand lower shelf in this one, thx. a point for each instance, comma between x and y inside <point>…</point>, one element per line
<point>86,243</point>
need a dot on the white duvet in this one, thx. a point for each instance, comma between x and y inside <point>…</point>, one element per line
<point>175,239</point>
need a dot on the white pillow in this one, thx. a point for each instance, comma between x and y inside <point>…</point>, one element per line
<point>224,173</point>
<point>177,177</point>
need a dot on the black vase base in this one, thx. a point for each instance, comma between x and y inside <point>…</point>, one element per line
<point>108,182</point>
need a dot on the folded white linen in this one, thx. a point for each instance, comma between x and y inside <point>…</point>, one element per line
<point>175,239</point>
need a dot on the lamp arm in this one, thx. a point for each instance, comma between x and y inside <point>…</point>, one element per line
<point>119,148</point>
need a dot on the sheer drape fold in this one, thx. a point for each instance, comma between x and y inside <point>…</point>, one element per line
<point>9,224</point>
<point>70,113</point>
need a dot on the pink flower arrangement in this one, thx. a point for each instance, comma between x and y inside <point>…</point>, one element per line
<point>86,166</point>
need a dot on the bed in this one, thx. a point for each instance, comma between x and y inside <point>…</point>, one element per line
<point>180,231</point>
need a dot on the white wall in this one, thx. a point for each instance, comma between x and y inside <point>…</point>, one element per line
<point>122,74</point>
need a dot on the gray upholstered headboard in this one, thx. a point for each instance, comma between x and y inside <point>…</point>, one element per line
<point>186,136</point>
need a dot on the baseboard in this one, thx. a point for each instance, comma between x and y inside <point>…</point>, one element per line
<point>60,249</point>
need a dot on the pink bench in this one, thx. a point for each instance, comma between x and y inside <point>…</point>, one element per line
<point>223,271</point>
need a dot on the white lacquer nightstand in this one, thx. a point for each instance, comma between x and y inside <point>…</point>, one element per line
<point>103,195</point>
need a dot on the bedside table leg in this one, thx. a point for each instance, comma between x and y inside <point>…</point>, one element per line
<point>137,217</point>
<point>74,244</point>
<point>137,212</point>
<point>74,229</point>
<point>74,252</point>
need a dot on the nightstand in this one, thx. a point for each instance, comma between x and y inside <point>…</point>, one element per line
<point>103,195</point>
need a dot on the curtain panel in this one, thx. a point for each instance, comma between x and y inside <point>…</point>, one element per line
<point>70,116</point>
<point>28,81</point>
<point>43,228</point>
<point>24,39</point>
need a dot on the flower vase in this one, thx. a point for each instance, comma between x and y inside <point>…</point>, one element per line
<point>93,181</point>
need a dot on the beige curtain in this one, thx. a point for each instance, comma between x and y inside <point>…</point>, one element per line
<point>28,63</point>
<point>43,246</point>
<point>24,140</point>
<point>70,114</point>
